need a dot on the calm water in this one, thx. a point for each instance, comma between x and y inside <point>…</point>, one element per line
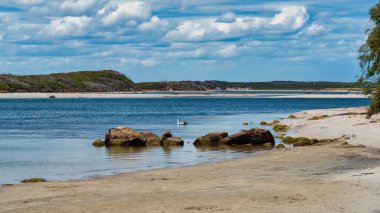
<point>51,138</point>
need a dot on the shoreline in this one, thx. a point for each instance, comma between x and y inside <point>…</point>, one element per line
<point>331,177</point>
<point>175,95</point>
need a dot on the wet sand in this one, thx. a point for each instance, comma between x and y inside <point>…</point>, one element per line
<point>325,178</point>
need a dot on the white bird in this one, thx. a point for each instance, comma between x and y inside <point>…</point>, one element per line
<point>181,123</point>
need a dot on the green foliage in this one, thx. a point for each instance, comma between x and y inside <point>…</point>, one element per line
<point>375,101</point>
<point>83,81</point>
<point>369,61</point>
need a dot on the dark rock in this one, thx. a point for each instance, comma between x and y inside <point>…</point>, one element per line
<point>172,141</point>
<point>151,138</point>
<point>167,139</point>
<point>210,139</point>
<point>254,136</point>
<point>167,134</point>
<point>124,136</point>
<point>34,180</point>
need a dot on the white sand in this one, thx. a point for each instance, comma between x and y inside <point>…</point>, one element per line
<point>349,122</point>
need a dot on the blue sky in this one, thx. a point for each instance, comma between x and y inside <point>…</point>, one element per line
<point>157,40</point>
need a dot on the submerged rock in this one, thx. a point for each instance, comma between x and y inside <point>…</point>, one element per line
<point>280,146</point>
<point>211,139</point>
<point>303,141</point>
<point>265,123</point>
<point>98,143</point>
<point>280,128</point>
<point>34,180</point>
<point>254,136</point>
<point>124,136</point>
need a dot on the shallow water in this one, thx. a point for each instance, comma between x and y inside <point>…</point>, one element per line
<point>51,138</point>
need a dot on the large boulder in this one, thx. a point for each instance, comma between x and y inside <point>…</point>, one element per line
<point>124,136</point>
<point>254,137</point>
<point>211,139</point>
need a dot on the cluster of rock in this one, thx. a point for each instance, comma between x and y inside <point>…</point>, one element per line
<point>124,136</point>
<point>253,136</point>
<point>303,141</point>
<point>276,126</point>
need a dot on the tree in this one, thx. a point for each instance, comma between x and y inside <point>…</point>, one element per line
<point>370,62</point>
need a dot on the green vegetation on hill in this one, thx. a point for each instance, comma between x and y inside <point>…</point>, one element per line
<point>84,81</point>
<point>223,85</point>
<point>112,81</point>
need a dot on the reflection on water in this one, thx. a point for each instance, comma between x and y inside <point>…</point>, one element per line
<point>51,138</point>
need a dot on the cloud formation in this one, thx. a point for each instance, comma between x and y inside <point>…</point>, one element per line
<point>138,35</point>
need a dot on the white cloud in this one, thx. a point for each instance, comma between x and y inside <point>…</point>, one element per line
<point>127,11</point>
<point>315,29</point>
<point>291,18</point>
<point>69,26</point>
<point>228,51</point>
<point>77,6</point>
<point>155,24</point>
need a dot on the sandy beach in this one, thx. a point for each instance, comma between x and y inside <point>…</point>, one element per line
<point>170,95</point>
<point>324,178</point>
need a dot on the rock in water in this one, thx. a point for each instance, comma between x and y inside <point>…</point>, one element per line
<point>172,141</point>
<point>254,136</point>
<point>167,134</point>
<point>211,139</point>
<point>98,143</point>
<point>151,138</point>
<point>124,136</point>
<point>167,139</point>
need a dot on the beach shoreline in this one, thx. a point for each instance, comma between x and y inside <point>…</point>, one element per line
<point>176,95</point>
<point>331,177</point>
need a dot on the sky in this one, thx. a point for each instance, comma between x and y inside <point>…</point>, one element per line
<point>161,40</point>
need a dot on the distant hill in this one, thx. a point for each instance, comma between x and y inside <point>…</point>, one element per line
<point>223,85</point>
<point>84,81</point>
<point>112,81</point>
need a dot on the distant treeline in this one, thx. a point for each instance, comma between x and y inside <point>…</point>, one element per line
<point>223,85</point>
<point>112,81</point>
